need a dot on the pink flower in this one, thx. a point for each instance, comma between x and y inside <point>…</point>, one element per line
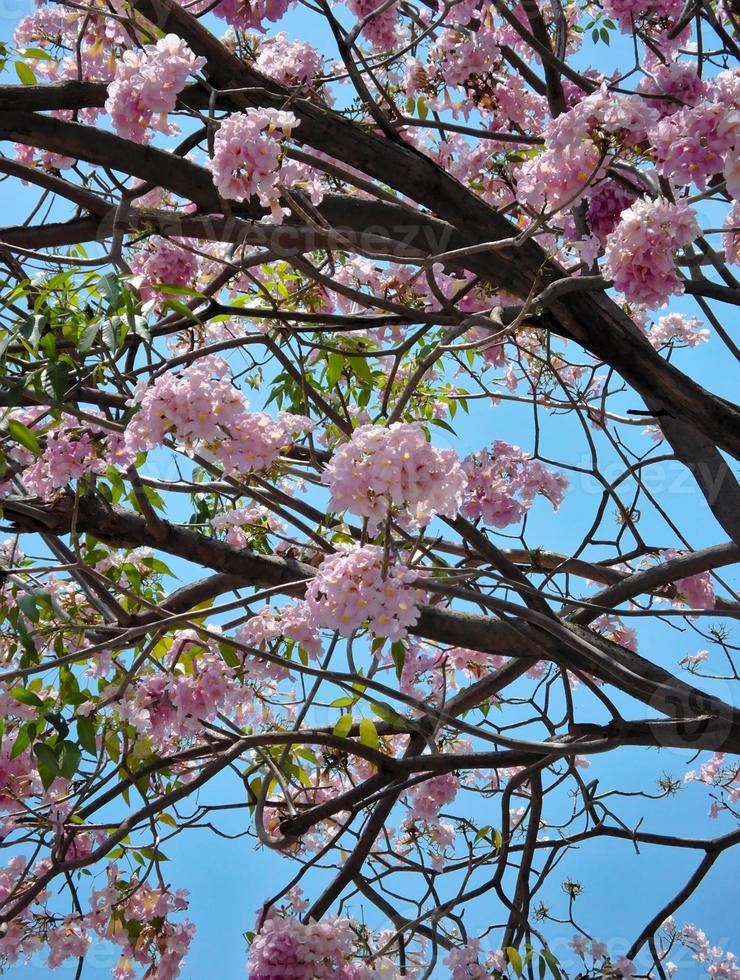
<point>606,203</point>
<point>210,416</point>
<point>426,799</point>
<point>464,963</point>
<point>246,156</point>
<point>498,476</point>
<point>146,85</point>
<point>677,328</point>
<point>293,622</point>
<point>640,254</point>
<point>286,949</point>
<point>629,12</point>
<point>249,16</point>
<point>395,467</point>
<point>351,588</point>
<point>289,62</point>
<point>694,591</point>
<point>166,261</point>
<point>731,237</point>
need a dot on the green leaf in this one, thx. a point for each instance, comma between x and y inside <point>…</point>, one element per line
<point>55,380</point>
<point>87,337</point>
<point>388,715</point>
<point>552,962</point>
<point>174,290</point>
<point>25,696</point>
<point>86,735</point>
<point>344,702</point>
<point>369,734</point>
<point>108,287</point>
<point>21,434</point>
<point>343,726</point>
<point>27,605</point>
<point>335,363</point>
<point>398,653</point>
<point>512,955</point>
<point>26,734</point>
<point>69,759</point>
<point>110,332</point>
<point>362,369</point>
<point>47,763</point>
<point>24,73</point>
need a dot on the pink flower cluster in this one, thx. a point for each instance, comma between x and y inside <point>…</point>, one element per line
<point>614,629</point>
<point>498,476</point>
<point>464,962</point>
<point>70,453</point>
<point>209,416</point>
<point>427,799</point>
<point>249,16</point>
<point>602,963</point>
<point>559,176</point>
<point>677,328</point>
<point>606,203</point>
<point>131,914</point>
<point>294,622</point>
<point>165,261</point>
<point>573,157</point>
<point>352,588</point>
<point>693,144</point>
<point>246,156</point>
<point>731,237</point>
<point>677,83</point>
<point>289,62</point>
<point>246,526</point>
<point>146,85</point>
<point>174,703</point>
<point>382,30</point>
<point>718,963</point>
<point>458,56</point>
<point>629,12</point>
<point>286,949</point>
<point>161,945</point>
<point>721,774</point>
<point>695,591</point>
<point>395,467</point>
<point>640,254</point>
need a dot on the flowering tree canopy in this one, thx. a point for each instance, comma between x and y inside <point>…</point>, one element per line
<point>367,470</point>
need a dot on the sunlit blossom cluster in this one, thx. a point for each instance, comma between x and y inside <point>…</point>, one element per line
<point>174,703</point>
<point>289,62</point>
<point>287,949</point>
<point>394,469</point>
<point>503,482</point>
<point>165,261</point>
<point>145,87</point>
<point>203,410</point>
<point>293,622</point>
<point>246,156</point>
<point>677,328</point>
<point>717,962</point>
<point>641,253</point>
<point>427,798</point>
<point>357,585</point>
<point>694,591</point>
